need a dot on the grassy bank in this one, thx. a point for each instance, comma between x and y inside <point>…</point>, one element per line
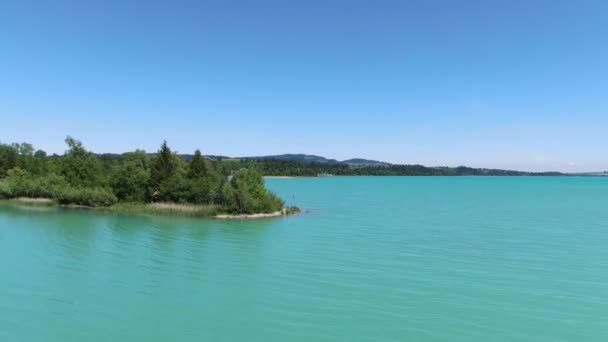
<point>34,201</point>
<point>159,208</point>
<point>170,209</point>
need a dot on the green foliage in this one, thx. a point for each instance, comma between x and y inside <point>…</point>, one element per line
<point>197,166</point>
<point>131,177</point>
<point>228,196</point>
<point>80,167</point>
<point>246,194</point>
<point>198,188</point>
<point>164,165</point>
<point>8,159</point>
<point>175,189</point>
<point>21,185</point>
<point>5,190</point>
<point>90,197</point>
<point>200,191</point>
<point>273,167</point>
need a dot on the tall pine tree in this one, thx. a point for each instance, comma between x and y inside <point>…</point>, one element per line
<point>198,168</point>
<point>163,166</point>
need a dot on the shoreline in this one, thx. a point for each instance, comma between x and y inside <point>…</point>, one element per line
<point>283,212</point>
<point>154,209</point>
<point>32,200</point>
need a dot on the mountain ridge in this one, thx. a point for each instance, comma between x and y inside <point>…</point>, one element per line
<point>311,158</point>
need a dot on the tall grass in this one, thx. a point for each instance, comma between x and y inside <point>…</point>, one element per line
<point>166,208</point>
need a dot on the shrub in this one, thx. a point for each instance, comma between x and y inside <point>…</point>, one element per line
<point>175,189</point>
<point>245,194</point>
<point>19,184</point>
<point>130,178</point>
<point>90,197</point>
<point>5,190</point>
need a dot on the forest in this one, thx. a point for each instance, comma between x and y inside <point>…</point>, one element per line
<point>273,167</point>
<point>80,177</point>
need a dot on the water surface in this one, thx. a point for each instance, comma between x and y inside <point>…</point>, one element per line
<point>373,259</point>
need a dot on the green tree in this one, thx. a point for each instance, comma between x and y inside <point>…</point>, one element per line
<point>164,166</point>
<point>39,164</point>
<point>200,191</point>
<point>197,166</point>
<point>198,174</point>
<point>25,149</point>
<point>248,194</point>
<point>8,159</point>
<point>80,167</point>
<point>175,189</point>
<point>216,180</point>
<point>26,156</point>
<point>131,176</point>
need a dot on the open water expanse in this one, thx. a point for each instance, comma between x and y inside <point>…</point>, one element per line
<point>371,259</point>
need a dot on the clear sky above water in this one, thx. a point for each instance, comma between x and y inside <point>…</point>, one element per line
<point>506,84</point>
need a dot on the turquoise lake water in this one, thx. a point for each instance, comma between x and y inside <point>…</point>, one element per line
<point>372,259</point>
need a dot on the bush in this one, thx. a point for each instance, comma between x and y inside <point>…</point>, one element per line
<point>53,186</point>
<point>5,190</point>
<point>19,184</point>
<point>90,197</point>
<point>46,187</point>
<point>130,178</point>
<point>245,194</point>
<point>200,192</point>
<point>175,189</point>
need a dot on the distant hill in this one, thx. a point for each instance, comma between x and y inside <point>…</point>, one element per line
<point>301,158</point>
<point>182,156</point>
<point>308,158</point>
<point>364,162</point>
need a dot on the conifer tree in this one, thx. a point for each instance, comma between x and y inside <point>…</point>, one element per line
<point>163,167</point>
<point>197,166</point>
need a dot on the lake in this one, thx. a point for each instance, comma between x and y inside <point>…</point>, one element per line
<point>371,259</point>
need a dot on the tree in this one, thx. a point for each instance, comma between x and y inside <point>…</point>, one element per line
<point>164,166</point>
<point>8,159</point>
<point>248,195</point>
<point>200,185</point>
<point>197,166</point>
<point>26,157</point>
<point>131,176</point>
<point>25,149</point>
<point>176,188</point>
<point>80,167</point>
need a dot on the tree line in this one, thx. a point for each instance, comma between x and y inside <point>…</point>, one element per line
<point>81,177</point>
<point>274,167</point>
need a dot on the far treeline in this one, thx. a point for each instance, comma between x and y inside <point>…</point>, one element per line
<point>79,177</point>
<point>273,167</point>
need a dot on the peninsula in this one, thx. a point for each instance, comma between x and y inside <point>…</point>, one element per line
<point>138,182</point>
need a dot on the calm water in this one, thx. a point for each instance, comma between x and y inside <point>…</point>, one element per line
<point>374,259</point>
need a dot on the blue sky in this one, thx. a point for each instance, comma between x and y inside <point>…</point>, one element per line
<point>507,84</point>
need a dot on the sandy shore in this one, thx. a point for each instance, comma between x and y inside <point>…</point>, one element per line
<point>32,200</point>
<point>251,216</point>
